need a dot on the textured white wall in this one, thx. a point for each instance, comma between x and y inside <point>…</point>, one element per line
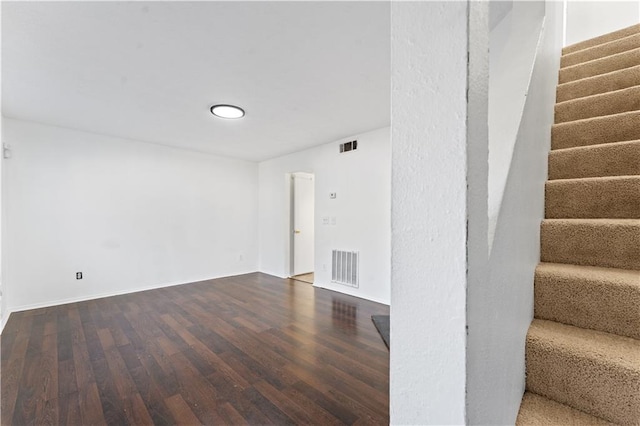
<point>500,310</point>
<point>588,19</point>
<point>3,316</point>
<point>429,210</point>
<point>129,215</point>
<point>362,181</point>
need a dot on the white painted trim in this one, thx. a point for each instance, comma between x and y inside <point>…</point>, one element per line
<point>347,293</point>
<point>326,287</point>
<point>152,287</point>
<point>5,318</point>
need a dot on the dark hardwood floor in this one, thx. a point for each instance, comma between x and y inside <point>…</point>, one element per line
<point>252,349</point>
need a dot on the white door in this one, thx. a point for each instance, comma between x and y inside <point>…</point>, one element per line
<point>303,238</point>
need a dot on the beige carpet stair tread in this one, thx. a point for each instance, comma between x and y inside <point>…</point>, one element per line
<point>622,100</point>
<point>604,65</point>
<point>611,159</point>
<point>592,371</point>
<point>609,82</point>
<point>597,130</point>
<point>583,347</point>
<point>609,243</point>
<point>624,32</point>
<point>605,49</point>
<point>615,197</point>
<point>603,299</point>
<point>536,410</point>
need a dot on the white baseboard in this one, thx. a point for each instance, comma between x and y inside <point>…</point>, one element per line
<point>5,317</point>
<point>352,293</point>
<point>58,302</point>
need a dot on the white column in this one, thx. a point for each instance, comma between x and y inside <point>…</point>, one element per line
<point>439,155</point>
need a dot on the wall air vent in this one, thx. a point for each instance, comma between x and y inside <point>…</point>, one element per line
<point>344,267</point>
<point>348,146</point>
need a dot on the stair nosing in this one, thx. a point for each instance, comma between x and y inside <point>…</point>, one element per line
<point>594,178</point>
<point>586,147</point>
<point>602,35</point>
<point>626,52</point>
<point>631,72</point>
<point>599,117</point>
<point>617,221</point>
<point>596,95</point>
<point>597,75</point>
<point>578,343</point>
<point>566,407</point>
<point>588,268</point>
<point>617,40</point>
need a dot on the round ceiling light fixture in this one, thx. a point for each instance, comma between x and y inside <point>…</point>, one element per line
<point>227,111</point>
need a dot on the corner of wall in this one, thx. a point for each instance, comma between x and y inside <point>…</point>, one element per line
<point>502,315</point>
<point>360,212</point>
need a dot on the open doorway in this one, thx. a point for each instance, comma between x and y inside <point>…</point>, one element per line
<point>302,226</point>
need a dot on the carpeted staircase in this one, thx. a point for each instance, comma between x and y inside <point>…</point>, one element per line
<point>583,346</point>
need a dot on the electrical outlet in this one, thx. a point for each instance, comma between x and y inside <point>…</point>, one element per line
<point>332,195</point>
<point>78,275</point>
<point>241,258</point>
<point>325,220</point>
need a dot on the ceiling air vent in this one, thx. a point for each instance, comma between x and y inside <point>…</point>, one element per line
<point>348,146</point>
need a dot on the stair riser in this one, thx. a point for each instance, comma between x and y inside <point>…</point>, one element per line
<point>615,198</point>
<point>598,303</point>
<point>594,131</point>
<point>580,382</point>
<point>609,82</point>
<point>615,159</point>
<point>600,66</point>
<point>600,51</point>
<point>604,104</point>
<point>574,242</point>
<point>538,410</point>
<point>625,32</point>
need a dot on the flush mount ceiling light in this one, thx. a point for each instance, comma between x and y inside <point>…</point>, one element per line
<point>227,111</point>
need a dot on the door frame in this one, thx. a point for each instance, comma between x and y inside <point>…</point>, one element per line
<point>288,214</point>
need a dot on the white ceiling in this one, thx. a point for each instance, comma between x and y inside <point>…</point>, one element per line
<point>306,73</point>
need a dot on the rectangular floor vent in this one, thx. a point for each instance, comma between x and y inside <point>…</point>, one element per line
<point>344,267</point>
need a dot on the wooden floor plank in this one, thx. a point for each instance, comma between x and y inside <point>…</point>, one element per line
<point>250,349</point>
<point>181,411</point>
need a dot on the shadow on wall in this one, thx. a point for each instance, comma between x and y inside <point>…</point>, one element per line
<point>503,309</point>
<point>514,42</point>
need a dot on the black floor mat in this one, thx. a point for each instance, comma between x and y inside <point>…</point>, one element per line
<point>382,324</point>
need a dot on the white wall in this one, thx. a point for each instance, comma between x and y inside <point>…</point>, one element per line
<point>439,149</point>
<point>3,300</point>
<point>498,10</point>
<point>129,215</point>
<point>513,46</point>
<point>362,181</point>
<point>500,311</point>
<point>589,19</point>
